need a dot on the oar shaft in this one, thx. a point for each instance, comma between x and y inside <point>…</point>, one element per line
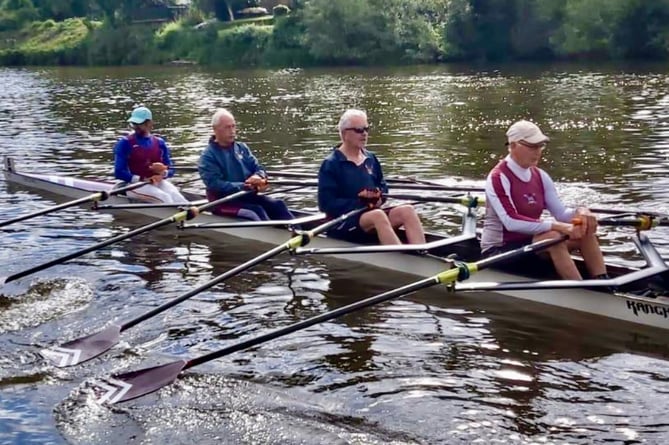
<point>92,248</point>
<point>445,277</point>
<point>371,301</point>
<point>50,209</point>
<point>180,216</point>
<point>219,279</point>
<point>468,201</point>
<point>293,243</point>
<point>407,186</point>
<point>97,196</point>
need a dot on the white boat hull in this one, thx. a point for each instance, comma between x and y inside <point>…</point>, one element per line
<point>652,312</point>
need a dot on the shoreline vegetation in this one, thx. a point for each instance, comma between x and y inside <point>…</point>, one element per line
<point>301,33</point>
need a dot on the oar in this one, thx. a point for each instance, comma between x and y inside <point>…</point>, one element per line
<point>640,222</point>
<point>85,348</point>
<point>294,174</point>
<point>467,201</point>
<point>177,217</point>
<point>407,186</point>
<point>97,196</point>
<point>130,385</point>
<point>627,212</point>
<point>398,180</point>
<point>148,205</point>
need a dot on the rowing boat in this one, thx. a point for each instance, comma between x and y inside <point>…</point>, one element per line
<point>528,282</point>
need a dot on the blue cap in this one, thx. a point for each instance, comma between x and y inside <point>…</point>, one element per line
<point>140,115</point>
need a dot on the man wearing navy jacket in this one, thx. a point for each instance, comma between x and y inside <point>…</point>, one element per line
<point>227,166</point>
<point>351,176</point>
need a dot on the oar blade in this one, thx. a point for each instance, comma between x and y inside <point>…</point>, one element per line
<point>82,349</point>
<point>130,385</point>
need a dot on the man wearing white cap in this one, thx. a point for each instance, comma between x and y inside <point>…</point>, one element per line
<point>517,193</point>
<point>142,156</point>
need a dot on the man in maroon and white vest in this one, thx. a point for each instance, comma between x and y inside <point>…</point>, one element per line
<point>518,192</point>
<point>142,156</point>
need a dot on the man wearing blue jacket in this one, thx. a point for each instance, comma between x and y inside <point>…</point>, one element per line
<point>227,166</point>
<point>350,177</point>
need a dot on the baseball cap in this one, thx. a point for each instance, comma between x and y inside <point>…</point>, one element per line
<point>140,115</point>
<point>526,131</point>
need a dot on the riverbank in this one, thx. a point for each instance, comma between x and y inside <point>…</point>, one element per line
<point>350,32</point>
<point>262,41</point>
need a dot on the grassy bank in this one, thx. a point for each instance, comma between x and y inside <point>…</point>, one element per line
<point>46,43</point>
<point>79,41</point>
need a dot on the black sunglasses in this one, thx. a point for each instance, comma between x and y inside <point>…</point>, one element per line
<point>359,130</point>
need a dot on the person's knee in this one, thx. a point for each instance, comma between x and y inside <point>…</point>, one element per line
<point>404,213</point>
<point>249,214</point>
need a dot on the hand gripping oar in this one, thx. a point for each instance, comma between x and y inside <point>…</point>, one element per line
<point>85,348</point>
<point>177,217</point>
<point>97,196</point>
<point>130,385</point>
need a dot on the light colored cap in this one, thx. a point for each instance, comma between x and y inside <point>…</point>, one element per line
<point>140,115</point>
<point>526,131</point>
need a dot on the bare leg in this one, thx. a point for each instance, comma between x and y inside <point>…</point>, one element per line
<point>406,216</point>
<point>592,255</point>
<point>377,220</point>
<point>559,254</point>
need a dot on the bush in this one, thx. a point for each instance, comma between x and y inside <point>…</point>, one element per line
<point>280,10</point>
<point>193,17</point>
<point>127,45</point>
<point>240,46</point>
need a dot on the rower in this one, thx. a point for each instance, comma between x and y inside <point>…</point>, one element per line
<point>351,176</point>
<point>517,193</point>
<point>143,156</point>
<point>227,166</point>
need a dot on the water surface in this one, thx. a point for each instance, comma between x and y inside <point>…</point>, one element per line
<point>429,368</point>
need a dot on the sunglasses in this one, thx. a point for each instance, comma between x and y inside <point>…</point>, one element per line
<point>359,130</point>
<point>533,146</point>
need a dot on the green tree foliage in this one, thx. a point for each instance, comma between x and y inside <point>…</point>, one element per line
<point>481,29</point>
<point>369,31</point>
<point>354,31</point>
<point>642,30</point>
<point>16,13</point>
<point>588,27</point>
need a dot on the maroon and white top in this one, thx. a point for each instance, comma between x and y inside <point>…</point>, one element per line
<point>515,200</point>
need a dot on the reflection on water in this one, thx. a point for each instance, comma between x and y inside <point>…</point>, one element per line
<point>429,368</point>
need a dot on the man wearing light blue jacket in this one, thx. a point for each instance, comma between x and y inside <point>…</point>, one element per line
<point>227,166</point>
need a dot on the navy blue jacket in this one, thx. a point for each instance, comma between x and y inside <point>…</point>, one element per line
<point>340,181</point>
<point>224,170</point>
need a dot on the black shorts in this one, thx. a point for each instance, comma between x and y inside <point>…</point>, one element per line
<point>350,230</point>
<point>496,250</point>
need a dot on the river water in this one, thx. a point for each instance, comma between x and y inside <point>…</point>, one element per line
<point>425,369</point>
